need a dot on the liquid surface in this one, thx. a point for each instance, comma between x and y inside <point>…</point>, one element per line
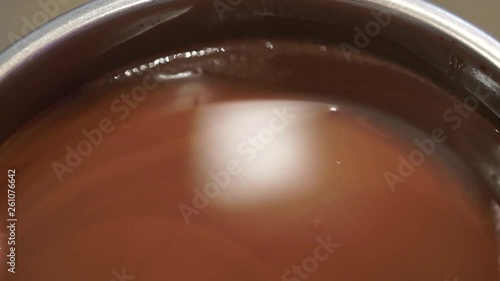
<point>209,167</point>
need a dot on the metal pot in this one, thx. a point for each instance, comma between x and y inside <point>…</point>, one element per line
<point>40,69</point>
<point>36,71</point>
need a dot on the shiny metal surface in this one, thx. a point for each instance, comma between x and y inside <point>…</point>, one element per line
<point>14,15</point>
<point>92,13</point>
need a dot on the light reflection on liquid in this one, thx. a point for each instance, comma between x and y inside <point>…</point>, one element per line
<point>262,141</point>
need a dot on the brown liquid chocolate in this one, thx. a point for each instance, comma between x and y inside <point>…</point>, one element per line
<point>219,164</point>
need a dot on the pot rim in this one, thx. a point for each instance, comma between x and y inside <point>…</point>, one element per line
<point>93,13</point>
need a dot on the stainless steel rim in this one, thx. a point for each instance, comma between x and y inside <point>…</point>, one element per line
<point>93,13</point>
